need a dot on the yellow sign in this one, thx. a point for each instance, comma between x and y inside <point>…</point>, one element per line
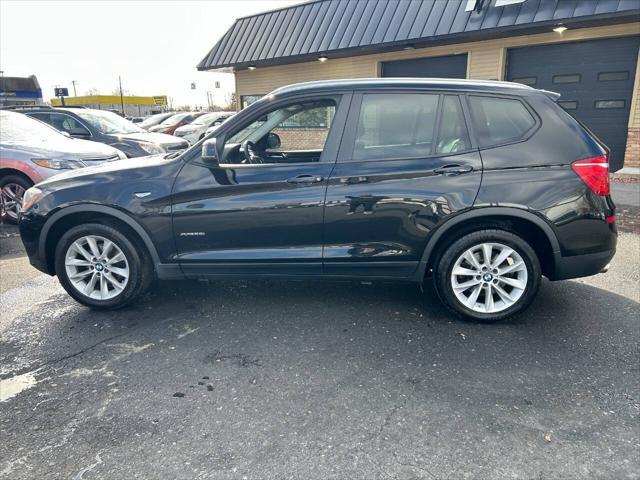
<point>110,99</point>
<point>160,100</point>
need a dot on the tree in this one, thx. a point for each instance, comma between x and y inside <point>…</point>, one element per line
<point>232,102</point>
<point>125,92</point>
<point>92,91</point>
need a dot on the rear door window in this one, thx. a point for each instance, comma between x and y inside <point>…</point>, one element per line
<point>499,121</point>
<point>452,134</point>
<point>396,125</point>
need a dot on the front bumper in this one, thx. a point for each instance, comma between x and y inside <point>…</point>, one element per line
<point>30,229</point>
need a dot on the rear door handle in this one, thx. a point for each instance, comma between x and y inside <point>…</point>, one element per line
<point>454,169</point>
<point>305,179</point>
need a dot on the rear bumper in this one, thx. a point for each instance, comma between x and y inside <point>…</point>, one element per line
<point>581,265</point>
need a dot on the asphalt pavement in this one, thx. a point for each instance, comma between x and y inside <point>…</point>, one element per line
<point>310,380</point>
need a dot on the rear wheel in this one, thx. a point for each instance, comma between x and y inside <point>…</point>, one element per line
<point>488,275</point>
<point>12,188</point>
<point>100,267</point>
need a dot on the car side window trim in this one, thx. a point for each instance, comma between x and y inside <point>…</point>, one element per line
<point>347,147</point>
<point>472,127</point>
<point>77,120</point>
<point>330,150</point>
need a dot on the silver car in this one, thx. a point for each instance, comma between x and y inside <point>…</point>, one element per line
<point>31,151</point>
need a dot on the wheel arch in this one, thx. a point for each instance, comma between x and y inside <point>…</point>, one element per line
<point>73,215</point>
<point>534,229</point>
<point>7,171</point>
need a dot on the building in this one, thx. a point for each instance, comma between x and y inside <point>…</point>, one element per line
<point>133,106</point>
<point>587,50</point>
<point>20,91</point>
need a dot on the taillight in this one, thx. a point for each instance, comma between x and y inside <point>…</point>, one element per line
<point>594,172</point>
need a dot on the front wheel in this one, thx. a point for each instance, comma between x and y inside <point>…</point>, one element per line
<point>488,275</point>
<point>12,188</point>
<point>100,267</point>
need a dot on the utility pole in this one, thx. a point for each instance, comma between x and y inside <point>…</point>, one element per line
<point>121,97</point>
<point>73,82</point>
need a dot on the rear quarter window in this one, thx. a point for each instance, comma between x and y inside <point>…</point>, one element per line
<point>498,121</point>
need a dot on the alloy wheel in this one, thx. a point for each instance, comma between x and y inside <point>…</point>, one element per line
<point>97,267</point>
<point>11,200</point>
<point>489,277</point>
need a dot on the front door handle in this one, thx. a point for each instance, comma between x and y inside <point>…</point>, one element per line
<point>305,179</point>
<point>454,169</point>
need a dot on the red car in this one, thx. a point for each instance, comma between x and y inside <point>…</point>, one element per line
<point>179,119</point>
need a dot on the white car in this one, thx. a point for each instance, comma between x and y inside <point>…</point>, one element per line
<point>197,129</point>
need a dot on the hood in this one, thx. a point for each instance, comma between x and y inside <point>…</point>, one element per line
<point>127,165</point>
<point>190,127</point>
<point>159,127</point>
<point>150,137</point>
<point>63,147</point>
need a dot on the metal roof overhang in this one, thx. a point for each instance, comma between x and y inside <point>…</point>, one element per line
<point>229,54</point>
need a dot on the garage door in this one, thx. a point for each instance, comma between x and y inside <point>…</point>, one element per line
<point>451,66</point>
<point>595,79</point>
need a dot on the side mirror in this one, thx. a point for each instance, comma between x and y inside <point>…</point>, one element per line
<point>273,140</point>
<point>209,151</point>
<point>79,133</point>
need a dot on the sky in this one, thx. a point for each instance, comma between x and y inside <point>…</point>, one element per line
<point>153,45</point>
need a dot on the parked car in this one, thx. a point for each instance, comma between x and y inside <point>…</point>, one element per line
<point>169,125</point>
<point>154,120</point>
<point>135,119</point>
<point>194,131</point>
<point>107,127</point>
<point>481,187</point>
<point>31,151</point>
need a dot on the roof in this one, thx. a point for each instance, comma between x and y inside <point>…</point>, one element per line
<point>340,28</point>
<point>23,84</point>
<point>487,86</point>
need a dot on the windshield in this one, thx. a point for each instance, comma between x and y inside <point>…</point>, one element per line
<point>207,119</point>
<point>175,118</point>
<point>18,128</point>
<point>107,122</point>
<point>155,119</point>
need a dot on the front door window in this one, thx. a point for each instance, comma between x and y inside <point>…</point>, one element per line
<point>295,133</point>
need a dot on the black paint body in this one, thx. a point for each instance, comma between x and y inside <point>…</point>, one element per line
<point>362,219</point>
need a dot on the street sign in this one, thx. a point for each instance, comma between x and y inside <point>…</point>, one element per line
<point>160,100</point>
<point>61,92</point>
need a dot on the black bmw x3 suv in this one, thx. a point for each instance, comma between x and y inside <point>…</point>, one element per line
<point>483,187</point>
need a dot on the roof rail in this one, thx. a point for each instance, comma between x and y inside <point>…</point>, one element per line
<point>22,107</point>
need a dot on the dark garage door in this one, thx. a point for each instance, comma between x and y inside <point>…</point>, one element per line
<point>595,79</point>
<point>452,66</point>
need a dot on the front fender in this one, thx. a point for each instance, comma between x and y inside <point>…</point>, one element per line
<point>102,209</point>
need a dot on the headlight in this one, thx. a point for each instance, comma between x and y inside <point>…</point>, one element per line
<point>30,197</point>
<point>151,148</point>
<point>58,164</point>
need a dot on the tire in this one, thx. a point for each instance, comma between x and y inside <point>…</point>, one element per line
<point>496,293</point>
<point>123,276</point>
<point>12,188</point>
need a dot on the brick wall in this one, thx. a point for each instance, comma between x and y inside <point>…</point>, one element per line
<point>632,154</point>
<point>302,138</point>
